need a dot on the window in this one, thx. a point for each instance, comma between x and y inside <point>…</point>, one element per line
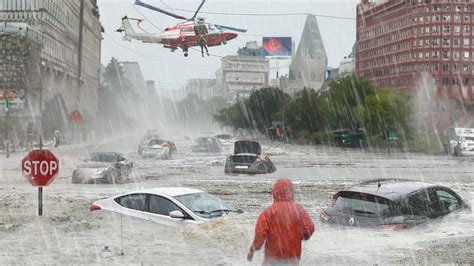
<point>466,17</point>
<point>160,205</point>
<point>466,29</point>
<point>455,81</point>
<point>456,42</point>
<point>445,81</point>
<point>465,82</point>
<point>436,17</point>
<point>420,204</point>
<point>435,29</point>
<point>445,67</point>
<point>446,28</point>
<point>435,42</point>
<point>446,41</point>
<point>466,42</point>
<point>435,54</point>
<point>457,29</point>
<point>434,67</point>
<point>133,201</point>
<point>457,18</point>
<point>465,68</point>
<point>362,204</point>
<point>446,17</point>
<point>446,54</point>
<point>455,67</point>
<point>466,55</point>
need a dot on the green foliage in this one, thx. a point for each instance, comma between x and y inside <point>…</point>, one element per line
<point>307,111</point>
<point>256,111</point>
<point>345,96</point>
<point>388,110</point>
<point>321,137</point>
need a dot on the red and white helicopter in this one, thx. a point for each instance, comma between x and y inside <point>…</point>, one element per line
<point>184,35</point>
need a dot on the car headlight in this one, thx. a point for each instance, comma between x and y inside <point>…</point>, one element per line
<point>103,170</point>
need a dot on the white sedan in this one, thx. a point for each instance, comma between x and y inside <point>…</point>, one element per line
<point>170,206</point>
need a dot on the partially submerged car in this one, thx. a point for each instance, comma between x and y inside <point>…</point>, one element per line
<point>207,144</point>
<point>248,159</point>
<point>169,206</point>
<point>391,204</point>
<point>102,167</point>
<point>155,147</point>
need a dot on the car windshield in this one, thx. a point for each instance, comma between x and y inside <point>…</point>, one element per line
<point>363,204</point>
<point>102,157</point>
<point>205,205</point>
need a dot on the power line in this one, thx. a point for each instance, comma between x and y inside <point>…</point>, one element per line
<point>268,14</point>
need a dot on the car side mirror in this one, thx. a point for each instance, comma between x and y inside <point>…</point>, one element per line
<point>177,215</point>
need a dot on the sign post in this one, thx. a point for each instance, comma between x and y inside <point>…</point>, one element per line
<point>40,167</point>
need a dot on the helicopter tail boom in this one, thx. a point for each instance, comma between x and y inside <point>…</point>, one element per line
<point>131,34</point>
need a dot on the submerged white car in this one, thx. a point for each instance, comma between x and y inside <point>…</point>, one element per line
<point>170,206</point>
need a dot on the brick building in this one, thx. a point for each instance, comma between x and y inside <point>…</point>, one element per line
<point>401,43</point>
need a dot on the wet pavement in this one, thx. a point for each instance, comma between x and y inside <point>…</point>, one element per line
<point>69,233</point>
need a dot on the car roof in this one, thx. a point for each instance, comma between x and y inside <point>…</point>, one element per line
<point>169,191</point>
<point>392,189</point>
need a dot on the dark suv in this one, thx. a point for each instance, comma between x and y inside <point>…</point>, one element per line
<point>391,204</point>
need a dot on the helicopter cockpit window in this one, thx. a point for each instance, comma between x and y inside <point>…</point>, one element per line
<point>187,29</point>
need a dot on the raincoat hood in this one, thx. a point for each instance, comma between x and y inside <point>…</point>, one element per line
<point>283,190</point>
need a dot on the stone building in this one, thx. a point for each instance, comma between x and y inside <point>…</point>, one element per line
<point>50,54</point>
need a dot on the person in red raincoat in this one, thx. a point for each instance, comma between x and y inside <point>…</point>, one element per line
<point>282,227</point>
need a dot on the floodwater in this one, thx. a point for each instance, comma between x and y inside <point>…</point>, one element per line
<point>69,234</point>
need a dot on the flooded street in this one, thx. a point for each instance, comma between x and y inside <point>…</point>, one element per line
<point>69,233</point>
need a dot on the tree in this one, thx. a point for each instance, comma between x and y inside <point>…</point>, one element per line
<point>307,112</point>
<point>344,96</point>
<point>388,110</point>
<point>255,112</point>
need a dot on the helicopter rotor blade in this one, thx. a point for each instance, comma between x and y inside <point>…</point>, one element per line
<point>222,27</point>
<point>199,8</point>
<point>140,3</point>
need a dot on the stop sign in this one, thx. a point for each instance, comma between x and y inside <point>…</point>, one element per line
<point>40,167</point>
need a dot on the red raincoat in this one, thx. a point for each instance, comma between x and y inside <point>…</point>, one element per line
<point>283,225</point>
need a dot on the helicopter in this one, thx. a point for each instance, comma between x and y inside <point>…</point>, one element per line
<point>194,31</point>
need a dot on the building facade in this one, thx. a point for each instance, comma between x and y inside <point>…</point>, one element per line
<point>205,89</point>
<point>308,65</point>
<point>61,72</point>
<point>242,74</point>
<point>405,43</point>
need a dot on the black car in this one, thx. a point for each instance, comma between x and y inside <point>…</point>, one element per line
<point>208,145</point>
<point>391,204</point>
<point>248,159</point>
<point>102,167</point>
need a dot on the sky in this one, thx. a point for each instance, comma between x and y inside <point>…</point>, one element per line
<point>171,70</point>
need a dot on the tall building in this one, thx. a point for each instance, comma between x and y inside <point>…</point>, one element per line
<point>403,43</point>
<point>308,65</point>
<point>50,54</point>
<point>133,73</point>
<point>242,74</point>
<point>205,89</point>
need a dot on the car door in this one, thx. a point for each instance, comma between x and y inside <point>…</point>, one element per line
<point>159,209</point>
<point>133,205</point>
<point>420,204</point>
<point>446,200</point>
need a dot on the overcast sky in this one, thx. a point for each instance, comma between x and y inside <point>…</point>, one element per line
<point>171,70</point>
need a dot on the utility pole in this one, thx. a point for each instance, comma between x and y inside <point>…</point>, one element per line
<point>79,57</point>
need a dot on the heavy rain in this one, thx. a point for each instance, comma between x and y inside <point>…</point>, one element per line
<point>183,132</point>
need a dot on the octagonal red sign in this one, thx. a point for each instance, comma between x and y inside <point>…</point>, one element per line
<point>40,167</point>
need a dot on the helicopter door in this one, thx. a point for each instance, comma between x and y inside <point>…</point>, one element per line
<point>200,29</point>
